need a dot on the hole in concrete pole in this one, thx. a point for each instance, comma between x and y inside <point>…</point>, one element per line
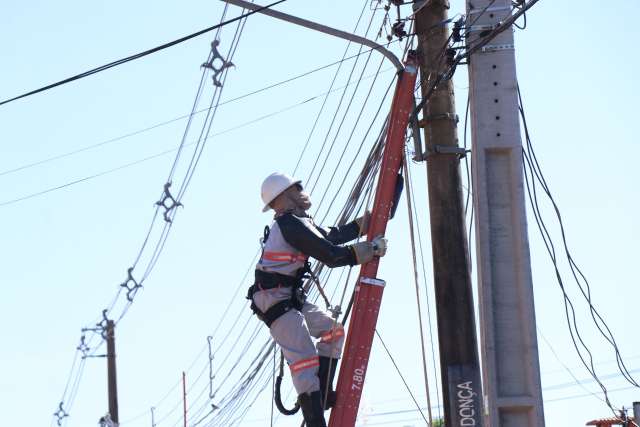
<point>497,117</point>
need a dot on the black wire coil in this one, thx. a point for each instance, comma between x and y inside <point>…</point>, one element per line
<point>277,396</point>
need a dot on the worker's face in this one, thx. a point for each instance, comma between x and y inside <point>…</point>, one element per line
<point>297,198</point>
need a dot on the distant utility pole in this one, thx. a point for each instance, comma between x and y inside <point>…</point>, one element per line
<point>184,398</point>
<point>111,372</point>
<point>460,368</point>
<point>511,370</point>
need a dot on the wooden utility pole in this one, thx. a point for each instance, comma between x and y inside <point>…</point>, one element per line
<point>511,370</point>
<point>460,368</point>
<point>111,372</point>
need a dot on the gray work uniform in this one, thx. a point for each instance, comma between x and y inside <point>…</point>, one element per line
<point>291,240</point>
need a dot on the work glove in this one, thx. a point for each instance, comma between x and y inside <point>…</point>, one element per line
<point>366,251</point>
<point>363,223</point>
<point>379,246</point>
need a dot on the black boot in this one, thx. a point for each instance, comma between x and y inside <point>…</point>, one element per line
<point>326,372</point>
<point>311,405</point>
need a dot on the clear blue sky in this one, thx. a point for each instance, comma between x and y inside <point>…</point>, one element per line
<point>64,253</point>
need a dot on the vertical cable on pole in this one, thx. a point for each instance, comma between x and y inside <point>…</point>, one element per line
<point>405,171</point>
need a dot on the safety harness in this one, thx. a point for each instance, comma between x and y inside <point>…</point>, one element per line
<point>265,281</point>
<point>271,280</point>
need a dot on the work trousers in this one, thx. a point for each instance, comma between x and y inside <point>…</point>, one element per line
<point>293,332</point>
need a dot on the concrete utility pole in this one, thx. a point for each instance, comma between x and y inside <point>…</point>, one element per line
<point>511,370</point>
<point>460,369</point>
<point>111,372</point>
<point>636,413</point>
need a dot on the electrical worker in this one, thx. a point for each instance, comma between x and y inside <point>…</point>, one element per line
<point>278,299</point>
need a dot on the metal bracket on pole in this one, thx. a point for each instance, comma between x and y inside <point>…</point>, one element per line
<point>495,47</point>
<point>442,116</point>
<point>416,136</point>
<point>322,28</point>
<point>487,9</point>
<point>480,28</point>
<point>445,149</point>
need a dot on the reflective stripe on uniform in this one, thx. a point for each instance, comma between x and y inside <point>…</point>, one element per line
<point>300,365</point>
<point>332,335</point>
<point>283,256</point>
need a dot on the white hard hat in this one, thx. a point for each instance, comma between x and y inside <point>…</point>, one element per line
<point>274,185</point>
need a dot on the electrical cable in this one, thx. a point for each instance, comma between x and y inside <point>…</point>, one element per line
<point>168,151</point>
<point>402,377</point>
<point>175,119</point>
<point>533,176</point>
<point>138,55</point>
<point>518,4</point>
<point>156,252</point>
<point>335,114</point>
<point>578,382</point>
<point>243,351</point>
<point>468,166</point>
<point>426,292</point>
<point>410,213</point>
<point>348,141</point>
<point>335,76</point>
<point>242,389</point>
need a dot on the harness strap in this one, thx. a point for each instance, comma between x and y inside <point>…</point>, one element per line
<point>310,274</point>
<point>266,280</point>
<point>295,302</point>
<point>275,311</point>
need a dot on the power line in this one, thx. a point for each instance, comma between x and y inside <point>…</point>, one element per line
<point>240,393</point>
<point>534,177</point>
<point>335,76</point>
<point>165,152</point>
<point>233,399</point>
<point>184,116</point>
<point>233,402</point>
<point>131,284</point>
<point>335,114</point>
<point>86,178</point>
<point>138,55</point>
<point>402,377</point>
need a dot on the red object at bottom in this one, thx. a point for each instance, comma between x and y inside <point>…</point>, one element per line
<point>368,292</point>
